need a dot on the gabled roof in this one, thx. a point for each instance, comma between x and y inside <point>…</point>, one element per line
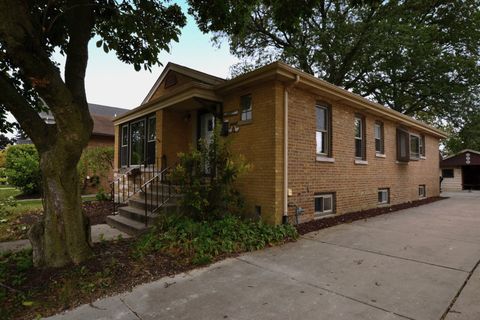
<point>281,71</point>
<point>460,152</point>
<point>195,74</point>
<point>102,110</point>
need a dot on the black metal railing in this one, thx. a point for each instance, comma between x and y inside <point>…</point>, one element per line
<point>130,182</point>
<point>157,192</point>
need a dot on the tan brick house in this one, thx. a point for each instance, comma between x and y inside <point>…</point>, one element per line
<point>314,148</point>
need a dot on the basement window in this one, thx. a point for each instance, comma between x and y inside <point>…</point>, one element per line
<point>422,191</point>
<point>384,196</point>
<point>324,204</point>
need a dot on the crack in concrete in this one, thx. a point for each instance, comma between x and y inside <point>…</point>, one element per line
<point>325,289</point>
<point>131,309</point>
<point>449,308</point>
<point>415,233</point>
<point>385,254</point>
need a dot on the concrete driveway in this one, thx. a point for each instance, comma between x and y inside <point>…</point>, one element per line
<point>418,263</point>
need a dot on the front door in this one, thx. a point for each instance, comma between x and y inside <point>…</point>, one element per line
<point>207,123</point>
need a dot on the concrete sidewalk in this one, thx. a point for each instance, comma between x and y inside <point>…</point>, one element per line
<point>418,263</point>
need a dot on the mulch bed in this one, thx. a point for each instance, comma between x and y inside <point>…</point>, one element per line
<point>327,222</point>
<point>113,269</point>
<point>97,211</point>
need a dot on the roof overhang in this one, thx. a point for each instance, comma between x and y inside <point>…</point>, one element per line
<point>285,73</point>
<point>176,96</point>
<point>195,74</point>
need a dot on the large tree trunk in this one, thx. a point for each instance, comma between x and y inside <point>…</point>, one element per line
<point>63,235</point>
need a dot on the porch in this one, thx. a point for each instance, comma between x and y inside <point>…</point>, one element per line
<point>156,138</point>
<point>148,146</point>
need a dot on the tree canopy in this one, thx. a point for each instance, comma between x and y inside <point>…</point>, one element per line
<point>31,31</point>
<point>419,57</point>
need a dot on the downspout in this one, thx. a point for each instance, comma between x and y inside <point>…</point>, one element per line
<point>285,148</point>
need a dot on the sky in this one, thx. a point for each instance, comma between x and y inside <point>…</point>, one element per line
<point>113,83</point>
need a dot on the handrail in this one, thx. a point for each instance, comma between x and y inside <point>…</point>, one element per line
<point>122,196</point>
<point>156,176</point>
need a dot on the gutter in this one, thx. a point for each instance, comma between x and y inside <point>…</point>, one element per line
<point>285,148</point>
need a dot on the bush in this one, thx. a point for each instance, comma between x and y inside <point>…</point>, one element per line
<point>96,162</point>
<point>211,195</point>
<point>201,242</point>
<point>3,154</point>
<point>23,169</point>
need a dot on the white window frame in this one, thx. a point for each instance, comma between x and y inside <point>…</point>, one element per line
<point>247,113</point>
<point>362,155</point>
<point>415,155</point>
<point>379,125</point>
<point>324,196</point>
<point>384,191</point>
<point>424,187</point>
<point>324,132</point>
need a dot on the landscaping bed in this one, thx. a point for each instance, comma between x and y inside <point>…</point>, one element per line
<point>315,225</point>
<point>15,223</point>
<point>175,245</point>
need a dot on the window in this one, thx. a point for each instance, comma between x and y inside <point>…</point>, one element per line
<point>448,173</point>
<point>324,204</point>
<point>151,129</point>
<point>403,146</point>
<point>414,147</point>
<point>383,196</point>
<point>379,144</point>
<point>246,107</point>
<point>422,146</point>
<point>125,136</point>
<point>322,134</point>
<point>422,191</point>
<point>137,142</point>
<point>359,138</point>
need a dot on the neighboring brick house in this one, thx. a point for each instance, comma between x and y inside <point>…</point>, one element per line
<point>461,171</point>
<point>314,147</point>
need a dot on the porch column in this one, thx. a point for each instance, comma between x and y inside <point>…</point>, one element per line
<point>116,155</point>
<point>159,138</point>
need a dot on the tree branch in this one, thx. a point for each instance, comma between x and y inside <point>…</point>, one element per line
<point>29,119</point>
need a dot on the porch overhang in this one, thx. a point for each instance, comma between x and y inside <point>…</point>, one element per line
<point>180,97</point>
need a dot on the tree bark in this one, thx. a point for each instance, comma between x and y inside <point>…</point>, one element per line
<point>62,236</point>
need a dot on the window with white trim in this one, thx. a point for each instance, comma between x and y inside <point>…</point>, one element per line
<point>246,107</point>
<point>414,146</point>
<point>324,203</point>
<point>359,138</point>
<point>322,134</point>
<point>422,191</point>
<point>125,136</point>
<point>379,144</point>
<point>383,196</point>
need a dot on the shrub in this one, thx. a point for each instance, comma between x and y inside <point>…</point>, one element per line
<point>23,169</point>
<point>206,176</point>
<point>201,242</point>
<point>3,154</point>
<point>96,162</point>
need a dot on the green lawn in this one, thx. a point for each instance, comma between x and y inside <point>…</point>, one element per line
<point>7,191</point>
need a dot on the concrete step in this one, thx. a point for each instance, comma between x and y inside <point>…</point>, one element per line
<point>153,193</point>
<point>137,214</point>
<point>151,203</point>
<point>129,226</point>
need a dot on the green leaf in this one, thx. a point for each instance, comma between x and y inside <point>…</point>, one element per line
<point>99,43</point>
<point>27,303</point>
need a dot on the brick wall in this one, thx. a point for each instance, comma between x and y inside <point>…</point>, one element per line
<point>262,147</point>
<point>356,186</point>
